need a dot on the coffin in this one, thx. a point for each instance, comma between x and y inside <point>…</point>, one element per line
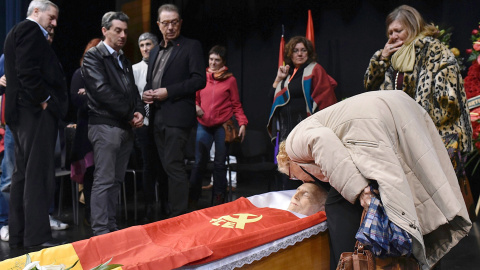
<point>252,233</point>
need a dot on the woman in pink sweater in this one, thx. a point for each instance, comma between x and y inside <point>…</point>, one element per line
<point>215,104</point>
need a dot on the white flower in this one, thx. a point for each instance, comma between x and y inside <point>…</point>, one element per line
<point>36,266</point>
<point>53,267</point>
<point>32,265</point>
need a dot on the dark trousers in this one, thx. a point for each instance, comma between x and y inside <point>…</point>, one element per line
<point>171,143</point>
<point>343,220</point>
<point>152,166</point>
<point>112,147</point>
<point>33,180</point>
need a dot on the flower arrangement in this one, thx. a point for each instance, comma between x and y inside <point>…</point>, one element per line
<point>444,35</point>
<point>472,89</point>
<point>29,265</point>
<point>472,81</point>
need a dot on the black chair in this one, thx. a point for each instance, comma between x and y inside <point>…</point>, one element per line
<point>254,155</point>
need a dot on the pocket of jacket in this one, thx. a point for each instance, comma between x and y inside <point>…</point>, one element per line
<point>362,143</point>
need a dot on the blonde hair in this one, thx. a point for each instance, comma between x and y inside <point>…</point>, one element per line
<point>413,21</point>
<point>283,160</point>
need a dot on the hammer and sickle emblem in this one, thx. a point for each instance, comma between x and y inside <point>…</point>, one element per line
<point>242,219</point>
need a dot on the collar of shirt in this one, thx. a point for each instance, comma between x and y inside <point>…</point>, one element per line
<point>45,32</point>
<point>111,51</point>
<point>162,45</point>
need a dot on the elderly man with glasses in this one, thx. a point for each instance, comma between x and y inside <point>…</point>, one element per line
<point>176,71</point>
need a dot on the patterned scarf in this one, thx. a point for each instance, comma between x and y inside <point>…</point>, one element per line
<point>221,74</point>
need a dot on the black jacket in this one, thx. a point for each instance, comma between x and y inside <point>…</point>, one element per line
<point>112,95</point>
<point>33,73</point>
<point>184,74</point>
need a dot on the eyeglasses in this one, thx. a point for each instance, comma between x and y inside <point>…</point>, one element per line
<point>301,50</point>
<point>173,23</point>
<point>290,175</point>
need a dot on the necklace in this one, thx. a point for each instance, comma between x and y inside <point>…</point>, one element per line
<point>396,80</point>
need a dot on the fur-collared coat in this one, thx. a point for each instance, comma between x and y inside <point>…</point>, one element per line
<point>435,83</point>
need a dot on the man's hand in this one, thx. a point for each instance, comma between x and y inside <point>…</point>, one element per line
<point>137,120</point>
<point>3,81</point>
<point>44,105</point>
<point>81,91</point>
<point>147,96</point>
<point>150,96</point>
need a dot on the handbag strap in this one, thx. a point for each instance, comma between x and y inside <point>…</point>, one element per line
<point>358,246</point>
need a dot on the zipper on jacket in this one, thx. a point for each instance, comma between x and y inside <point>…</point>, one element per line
<point>362,143</point>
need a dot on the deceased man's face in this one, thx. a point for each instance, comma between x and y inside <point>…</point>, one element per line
<point>308,200</point>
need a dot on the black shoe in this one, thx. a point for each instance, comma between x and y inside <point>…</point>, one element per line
<point>47,244</point>
<point>218,199</point>
<point>149,213</point>
<point>165,210</point>
<point>16,246</point>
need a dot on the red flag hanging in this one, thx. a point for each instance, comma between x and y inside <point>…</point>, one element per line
<point>281,61</point>
<point>310,32</point>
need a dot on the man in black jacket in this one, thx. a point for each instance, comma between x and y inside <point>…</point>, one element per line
<point>36,98</point>
<point>115,108</point>
<point>176,71</point>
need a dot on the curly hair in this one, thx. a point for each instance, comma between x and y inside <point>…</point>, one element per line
<point>312,56</point>
<point>283,159</point>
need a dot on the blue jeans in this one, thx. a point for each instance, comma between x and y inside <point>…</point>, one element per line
<point>205,138</point>
<point>8,164</point>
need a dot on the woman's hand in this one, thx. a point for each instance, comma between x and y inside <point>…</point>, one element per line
<point>366,197</point>
<point>242,132</point>
<point>390,48</point>
<point>281,75</point>
<point>81,91</point>
<point>199,110</point>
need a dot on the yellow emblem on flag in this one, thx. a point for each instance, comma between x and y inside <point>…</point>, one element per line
<point>237,223</point>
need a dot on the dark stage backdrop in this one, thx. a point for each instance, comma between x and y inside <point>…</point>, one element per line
<point>347,33</point>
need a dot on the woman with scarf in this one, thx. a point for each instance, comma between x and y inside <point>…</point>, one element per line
<point>301,88</point>
<point>215,105</point>
<point>414,61</point>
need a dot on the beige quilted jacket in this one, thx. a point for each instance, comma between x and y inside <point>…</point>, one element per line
<point>386,136</point>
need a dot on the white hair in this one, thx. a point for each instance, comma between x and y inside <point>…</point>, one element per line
<point>42,5</point>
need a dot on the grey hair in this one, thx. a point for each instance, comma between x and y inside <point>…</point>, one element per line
<point>169,7</point>
<point>42,5</point>
<point>113,15</point>
<point>146,36</point>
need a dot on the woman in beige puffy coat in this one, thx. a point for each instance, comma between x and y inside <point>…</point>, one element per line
<point>387,137</point>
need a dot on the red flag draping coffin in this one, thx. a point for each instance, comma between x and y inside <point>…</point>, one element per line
<point>198,237</point>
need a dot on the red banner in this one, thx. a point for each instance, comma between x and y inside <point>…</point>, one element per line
<point>310,35</point>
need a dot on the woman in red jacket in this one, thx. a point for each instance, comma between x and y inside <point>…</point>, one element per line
<point>215,105</point>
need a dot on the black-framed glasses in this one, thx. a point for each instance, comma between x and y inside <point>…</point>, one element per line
<point>172,22</point>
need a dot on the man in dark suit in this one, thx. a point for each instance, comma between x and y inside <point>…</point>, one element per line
<point>36,98</point>
<point>175,72</point>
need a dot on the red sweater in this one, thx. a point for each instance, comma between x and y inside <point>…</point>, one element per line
<point>219,101</point>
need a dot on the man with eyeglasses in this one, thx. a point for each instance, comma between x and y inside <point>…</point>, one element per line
<point>175,72</point>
